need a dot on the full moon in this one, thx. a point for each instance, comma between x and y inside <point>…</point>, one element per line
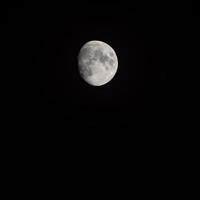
<point>97,63</point>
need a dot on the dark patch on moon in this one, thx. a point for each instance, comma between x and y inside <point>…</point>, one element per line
<point>86,71</point>
<point>111,62</point>
<point>86,52</point>
<point>111,54</point>
<point>89,62</point>
<point>98,53</point>
<point>101,56</point>
<point>107,67</point>
<point>104,59</point>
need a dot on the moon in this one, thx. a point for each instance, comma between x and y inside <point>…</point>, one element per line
<point>97,63</point>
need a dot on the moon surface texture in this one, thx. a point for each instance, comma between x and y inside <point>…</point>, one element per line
<point>97,63</point>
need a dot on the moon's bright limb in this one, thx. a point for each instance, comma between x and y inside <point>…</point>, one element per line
<point>97,63</point>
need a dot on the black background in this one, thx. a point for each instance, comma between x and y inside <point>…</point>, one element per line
<point>53,98</point>
<point>59,124</point>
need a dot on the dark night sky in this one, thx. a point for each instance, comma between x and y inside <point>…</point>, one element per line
<point>50,37</point>
<point>129,129</point>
